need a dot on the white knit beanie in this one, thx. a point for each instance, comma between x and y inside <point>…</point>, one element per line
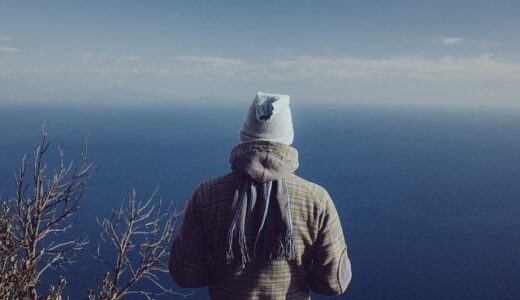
<point>269,119</point>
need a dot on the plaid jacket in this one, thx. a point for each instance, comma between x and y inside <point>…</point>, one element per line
<point>197,256</point>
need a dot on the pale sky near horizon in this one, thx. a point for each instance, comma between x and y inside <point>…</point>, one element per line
<point>374,52</point>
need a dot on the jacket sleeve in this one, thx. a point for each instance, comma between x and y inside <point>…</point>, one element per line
<point>189,256</point>
<point>331,271</point>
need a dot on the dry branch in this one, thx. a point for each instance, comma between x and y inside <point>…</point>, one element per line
<point>141,229</point>
<point>37,210</point>
<point>35,221</point>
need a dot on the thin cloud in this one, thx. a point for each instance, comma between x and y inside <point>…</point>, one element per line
<point>451,40</point>
<point>5,38</point>
<point>87,56</point>
<point>343,67</point>
<point>210,64</point>
<point>296,67</point>
<point>9,49</point>
<point>335,71</point>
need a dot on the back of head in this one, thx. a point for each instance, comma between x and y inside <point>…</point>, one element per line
<point>269,118</point>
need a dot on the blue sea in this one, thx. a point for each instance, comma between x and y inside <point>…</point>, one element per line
<point>429,197</point>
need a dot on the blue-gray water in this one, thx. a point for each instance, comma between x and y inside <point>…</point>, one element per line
<point>429,199</point>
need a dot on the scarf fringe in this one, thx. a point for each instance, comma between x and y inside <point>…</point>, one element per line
<point>229,245</point>
<point>281,248</point>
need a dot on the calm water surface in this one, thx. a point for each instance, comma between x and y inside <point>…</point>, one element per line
<point>429,199</point>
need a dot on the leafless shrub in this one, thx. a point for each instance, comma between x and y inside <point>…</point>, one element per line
<point>34,223</point>
<point>139,229</point>
<point>32,215</point>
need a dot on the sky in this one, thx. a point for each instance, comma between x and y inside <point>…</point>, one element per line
<point>371,52</point>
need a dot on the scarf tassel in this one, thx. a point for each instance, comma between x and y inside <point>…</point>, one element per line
<point>229,245</point>
<point>281,248</point>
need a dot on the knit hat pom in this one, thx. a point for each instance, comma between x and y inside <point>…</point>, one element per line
<point>268,105</point>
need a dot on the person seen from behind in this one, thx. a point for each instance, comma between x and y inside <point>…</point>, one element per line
<point>260,231</point>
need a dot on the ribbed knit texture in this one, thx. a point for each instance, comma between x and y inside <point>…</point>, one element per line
<point>269,118</point>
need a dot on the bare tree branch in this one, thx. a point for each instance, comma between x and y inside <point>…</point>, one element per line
<point>26,252</point>
<point>138,232</point>
<point>136,228</point>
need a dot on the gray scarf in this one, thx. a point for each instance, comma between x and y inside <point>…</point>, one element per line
<point>260,225</point>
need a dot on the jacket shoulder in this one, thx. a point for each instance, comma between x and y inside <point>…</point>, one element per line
<point>219,181</point>
<point>313,191</point>
<point>213,189</point>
